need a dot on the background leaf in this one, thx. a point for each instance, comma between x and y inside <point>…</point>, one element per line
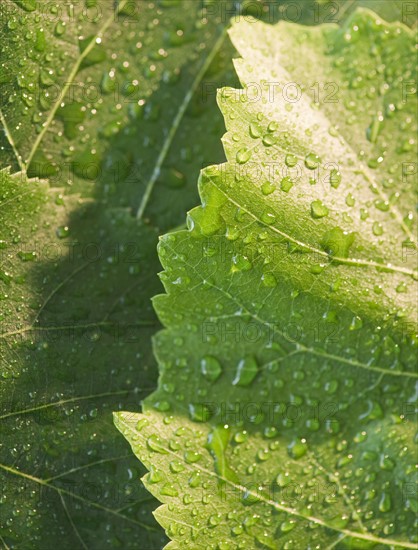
<point>78,269</point>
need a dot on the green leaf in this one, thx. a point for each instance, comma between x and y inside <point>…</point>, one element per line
<point>287,391</point>
<point>97,94</point>
<point>77,264</point>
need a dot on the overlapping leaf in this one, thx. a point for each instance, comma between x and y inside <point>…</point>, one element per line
<point>284,413</point>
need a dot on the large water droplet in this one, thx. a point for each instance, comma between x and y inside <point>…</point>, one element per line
<point>318,209</point>
<point>297,448</point>
<point>385,503</point>
<point>62,231</point>
<point>27,5</point>
<point>335,178</point>
<point>291,160</point>
<point>255,130</point>
<point>156,445</point>
<point>217,443</point>
<point>240,263</point>
<point>286,184</point>
<point>247,370</point>
<point>270,139</point>
<point>337,242</point>
<point>268,187</point>
<point>312,161</point>
<point>210,368</point>
<point>243,155</point>
<point>269,280</point>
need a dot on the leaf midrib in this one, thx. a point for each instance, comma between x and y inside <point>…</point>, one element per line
<point>11,141</point>
<point>176,123</point>
<point>348,261</point>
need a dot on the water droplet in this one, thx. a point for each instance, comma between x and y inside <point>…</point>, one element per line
<point>215,519</point>
<point>286,184</point>
<point>386,463</point>
<point>169,490</point>
<point>176,466</point>
<point>268,218</point>
<point>217,443</point>
<point>385,503</point>
<point>350,200</point>
<point>270,432</point>
<point>373,412</point>
<point>156,445</point>
<point>155,476</point>
<point>191,457</point>
<point>268,187</point>
<point>6,277</point>
<point>12,24</point>
<point>199,412</point>
<point>337,242</point>
<point>291,160</point>
<point>401,288</point>
<point>316,269</point>
<point>62,232</point>
<point>108,83</point>
<point>283,479</point>
<point>194,480</point>
<point>335,178</point>
<point>237,530</point>
<point>240,263</point>
<point>59,28</point>
<point>232,233</point>
<point>263,454</point>
<point>247,370</point>
<point>241,437</point>
<point>269,280</point>
<point>210,368</point>
<point>27,256</point>
<point>297,448</point>
<point>377,229</point>
<point>255,130</point>
<point>287,526</point>
<point>381,205</point>
<point>27,5</point>
<point>142,423</point>
<point>187,499</point>
<point>331,387</point>
<point>318,209</point>
<point>356,323</point>
<point>72,115</point>
<point>40,42</point>
<point>269,140</point>
<point>243,155</point>
<point>374,128</point>
<point>97,54</point>
<point>312,161</point>
<point>313,424</point>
